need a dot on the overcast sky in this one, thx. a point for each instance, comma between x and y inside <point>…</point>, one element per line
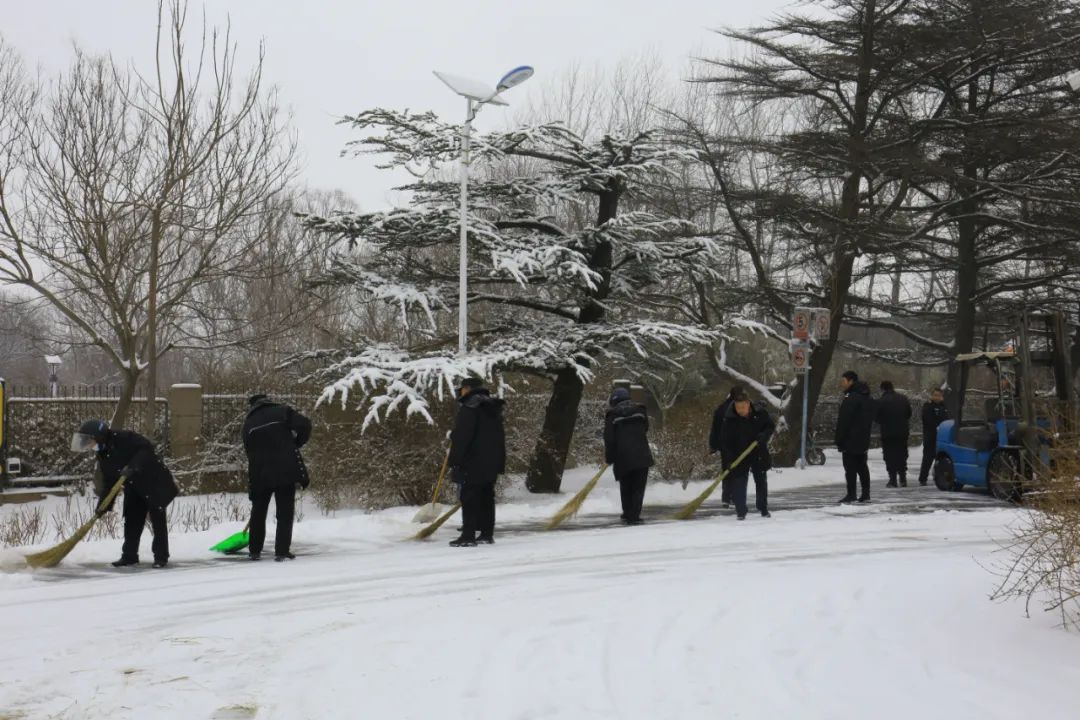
<point>332,57</point>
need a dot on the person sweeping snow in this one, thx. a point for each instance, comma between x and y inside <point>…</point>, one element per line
<point>746,424</point>
<point>148,487</point>
<point>477,458</point>
<point>626,449</point>
<point>273,434</point>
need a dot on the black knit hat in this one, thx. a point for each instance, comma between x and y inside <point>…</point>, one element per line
<point>852,376</point>
<point>472,383</point>
<point>257,398</point>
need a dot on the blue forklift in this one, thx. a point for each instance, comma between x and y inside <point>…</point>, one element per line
<point>1000,444</point>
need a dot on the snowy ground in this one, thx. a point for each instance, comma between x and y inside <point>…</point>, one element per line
<point>820,612</point>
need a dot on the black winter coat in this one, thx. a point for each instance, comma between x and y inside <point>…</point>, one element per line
<point>478,440</point>
<point>933,414</point>
<point>717,425</point>
<point>626,440</point>
<point>855,421</point>
<point>894,416</point>
<point>130,454</point>
<point>273,434</point>
<point>737,434</point>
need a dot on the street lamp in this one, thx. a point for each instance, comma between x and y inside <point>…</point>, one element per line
<point>476,95</point>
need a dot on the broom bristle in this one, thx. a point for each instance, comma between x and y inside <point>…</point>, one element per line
<point>430,529</point>
<point>691,507</point>
<point>52,557</point>
<point>571,508</point>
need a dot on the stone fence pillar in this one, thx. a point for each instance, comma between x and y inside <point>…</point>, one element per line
<point>185,420</point>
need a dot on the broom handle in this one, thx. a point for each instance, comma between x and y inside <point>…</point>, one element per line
<point>442,476</point>
<point>745,453</point>
<point>111,495</point>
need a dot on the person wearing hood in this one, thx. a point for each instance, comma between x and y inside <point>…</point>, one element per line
<point>894,420</point>
<point>715,438</point>
<point>744,424</point>
<point>273,434</point>
<point>477,458</point>
<point>854,424</point>
<point>149,487</point>
<point>626,449</point>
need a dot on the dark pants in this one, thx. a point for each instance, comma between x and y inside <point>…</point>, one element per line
<point>632,493</point>
<point>895,451</point>
<point>929,453</point>
<point>855,467</point>
<point>740,479</point>
<point>725,490</point>
<point>478,509</point>
<point>135,513</point>
<point>284,503</point>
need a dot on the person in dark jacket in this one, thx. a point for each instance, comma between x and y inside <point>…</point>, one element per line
<point>714,438</point>
<point>626,449</point>
<point>477,458</point>
<point>273,434</point>
<point>148,485</point>
<point>894,419</point>
<point>933,414</point>
<point>854,425</point>
<point>746,423</point>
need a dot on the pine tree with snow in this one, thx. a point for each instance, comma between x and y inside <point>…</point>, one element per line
<point>561,251</point>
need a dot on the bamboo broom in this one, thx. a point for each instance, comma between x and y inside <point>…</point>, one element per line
<point>571,508</point>
<point>692,506</point>
<point>429,512</point>
<point>430,529</point>
<point>52,557</point>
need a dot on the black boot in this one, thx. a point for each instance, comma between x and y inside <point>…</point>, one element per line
<point>254,557</point>
<point>284,556</point>
<point>126,561</point>
<point>864,498</point>
<point>903,481</point>
<point>486,540</point>
<point>161,563</point>
<point>847,500</point>
<point>463,542</point>
<point>892,480</point>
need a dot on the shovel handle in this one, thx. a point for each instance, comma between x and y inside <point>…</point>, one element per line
<point>442,476</point>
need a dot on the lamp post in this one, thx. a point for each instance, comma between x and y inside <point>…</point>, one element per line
<point>476,95</point>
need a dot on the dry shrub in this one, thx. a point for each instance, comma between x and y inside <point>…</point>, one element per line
<point>681,443</point>
<point>1043,564</point>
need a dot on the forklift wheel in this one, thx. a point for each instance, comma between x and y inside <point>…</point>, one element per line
<point>944,475</point>
<point>1003,479</point>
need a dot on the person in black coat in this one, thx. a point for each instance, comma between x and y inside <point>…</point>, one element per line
<point>273,434</point>
<point>626,449</point>
<point>149,487</point>
<point>714,438</point>
<point>746,423</point>
<point>477,458</point>
<point>894,419</point>
<point>933,414</point>
<point>854,425</point>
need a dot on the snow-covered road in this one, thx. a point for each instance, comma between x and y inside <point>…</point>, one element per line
<point>822,612</point>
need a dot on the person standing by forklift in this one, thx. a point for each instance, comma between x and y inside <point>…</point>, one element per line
<point>273,434</point>
<point>148,485</point>
<point>854,425</point>
<point>477,458</point>
<point>894,419</point>
<point>933,414</point>
<point>626,449</point>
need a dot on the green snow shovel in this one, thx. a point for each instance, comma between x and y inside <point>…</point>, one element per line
<point>234,543</point>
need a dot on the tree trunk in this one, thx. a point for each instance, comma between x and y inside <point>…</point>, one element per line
<point>553,446</point>
<point>123,404</point>
<point>549,456</point>
<point>838,287</point>
<point>150,417</point>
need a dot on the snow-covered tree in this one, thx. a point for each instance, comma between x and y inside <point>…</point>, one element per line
<point>549,296</point>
